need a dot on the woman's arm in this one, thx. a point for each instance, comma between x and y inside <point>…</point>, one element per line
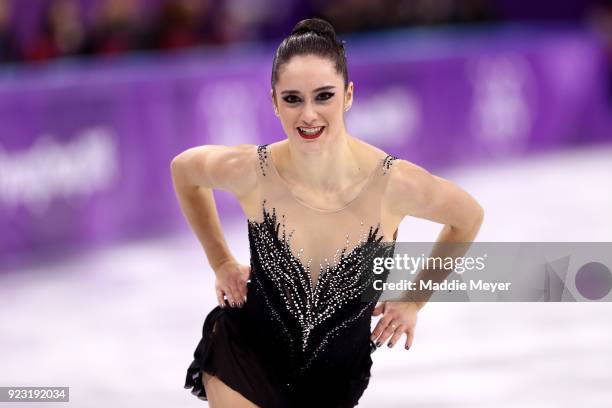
<point>414,191</point>
<point>195,172</point>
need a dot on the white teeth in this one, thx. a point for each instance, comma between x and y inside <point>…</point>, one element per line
<point>310,131</point>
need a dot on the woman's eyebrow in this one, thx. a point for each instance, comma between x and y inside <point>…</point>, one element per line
<point>323,88</point>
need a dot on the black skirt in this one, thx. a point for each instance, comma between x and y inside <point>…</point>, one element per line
<point>228,350</point>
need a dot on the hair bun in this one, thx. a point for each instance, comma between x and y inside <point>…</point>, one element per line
<point>317,26</point>
<point>313,36</point>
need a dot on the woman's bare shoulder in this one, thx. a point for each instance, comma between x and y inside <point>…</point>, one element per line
<point>241,155</point>
<point>370,153</point>
<point>408,186</point>
<point>406,175</point>
<point>413,190</point>
<point>236,168</point>
<point>228,168</point>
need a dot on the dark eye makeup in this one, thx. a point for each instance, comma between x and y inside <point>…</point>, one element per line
<point>323,96</point>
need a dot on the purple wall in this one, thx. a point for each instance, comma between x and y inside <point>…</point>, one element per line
<point>85,150</point>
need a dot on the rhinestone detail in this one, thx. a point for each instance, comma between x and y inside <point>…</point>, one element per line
<point>262,153</point>
<point>387,162</point>
<point>309,316</point>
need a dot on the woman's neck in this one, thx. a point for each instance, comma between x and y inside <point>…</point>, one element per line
<point>335,168</point>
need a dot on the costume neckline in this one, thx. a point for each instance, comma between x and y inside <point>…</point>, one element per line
<point>286,185</point>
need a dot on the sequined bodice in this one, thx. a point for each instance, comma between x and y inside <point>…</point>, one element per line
<point>311,288</point>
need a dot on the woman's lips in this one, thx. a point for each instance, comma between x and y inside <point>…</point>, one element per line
<point>309,135</point>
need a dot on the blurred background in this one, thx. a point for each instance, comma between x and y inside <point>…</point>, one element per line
<point>103,286</point>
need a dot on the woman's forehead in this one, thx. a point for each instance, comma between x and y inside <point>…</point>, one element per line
<point>308,72</point>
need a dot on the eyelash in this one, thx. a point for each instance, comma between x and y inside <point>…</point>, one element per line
<point>287,98</point>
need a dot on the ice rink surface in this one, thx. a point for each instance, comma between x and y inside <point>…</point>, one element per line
<point>119,325</point>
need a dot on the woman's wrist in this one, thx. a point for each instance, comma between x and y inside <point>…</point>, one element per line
<point>216,266</point>
<point>407,297</point>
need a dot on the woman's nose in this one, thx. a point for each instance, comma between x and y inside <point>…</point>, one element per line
<point>309,113</point>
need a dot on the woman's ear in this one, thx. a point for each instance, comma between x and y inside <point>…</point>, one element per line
<point>273,98</point>
<point>348,97</point>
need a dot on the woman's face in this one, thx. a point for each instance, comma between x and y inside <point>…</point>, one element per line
<point>310,100</point>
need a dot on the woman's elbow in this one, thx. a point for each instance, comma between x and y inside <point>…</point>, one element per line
<point>176,165</point>
<point>180,168</point>
<point>188,164</point>
<point>478,217</point>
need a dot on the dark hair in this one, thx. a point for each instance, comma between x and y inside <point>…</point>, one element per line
<point>311,36</point>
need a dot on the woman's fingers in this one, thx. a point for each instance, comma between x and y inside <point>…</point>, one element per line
<point>379,331</point>
<point>231,284</point>
<point>378,309</point>
<point>387,332</point>
<point>409,338</point>
<point>237,293</point>
<point>243,290</point>
<point>396,320</point>
<point>392,331</point>
<point>395,336</point>
<point>234,294</point>
<point>244,283</point>
<point>220,299</point>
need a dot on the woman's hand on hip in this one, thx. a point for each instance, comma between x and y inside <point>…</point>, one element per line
<point>231,283</point>
<point>398,318</point>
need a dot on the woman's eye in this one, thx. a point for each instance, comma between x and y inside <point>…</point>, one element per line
<point>325,96</point>
<point>291,99</point>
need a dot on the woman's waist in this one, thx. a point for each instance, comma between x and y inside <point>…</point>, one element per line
<point>263,316</point>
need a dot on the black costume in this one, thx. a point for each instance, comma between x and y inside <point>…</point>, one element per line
<point>302,339</point>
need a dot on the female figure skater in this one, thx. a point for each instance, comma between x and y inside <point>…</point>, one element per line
<point>292,329</point>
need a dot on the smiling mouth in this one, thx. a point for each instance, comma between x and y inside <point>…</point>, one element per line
<point>310,132</point>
